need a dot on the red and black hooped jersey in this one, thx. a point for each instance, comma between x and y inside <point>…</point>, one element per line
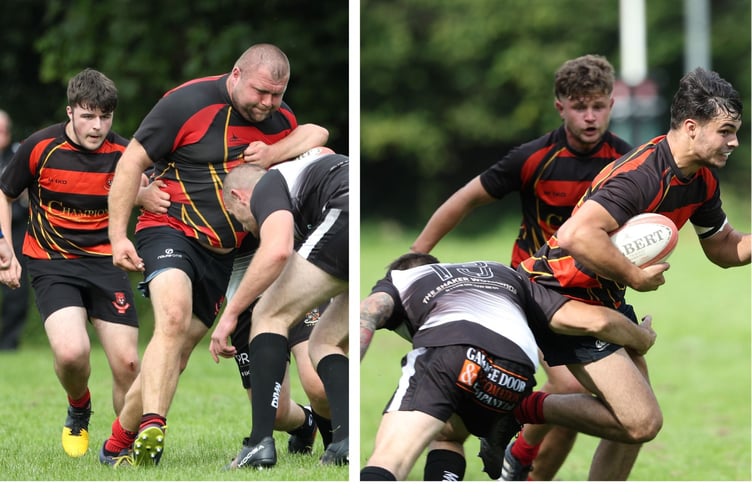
<point>644,180</point>
<point>550,178</point>
<point>68,187</point>
<point>195,138</point>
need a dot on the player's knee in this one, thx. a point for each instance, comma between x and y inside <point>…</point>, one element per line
<point>646,427</point>
<point>73,359</point>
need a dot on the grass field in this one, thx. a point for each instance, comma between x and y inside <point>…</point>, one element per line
<point>700,364</point>
<point>700,367</point>
<point>209,417</point>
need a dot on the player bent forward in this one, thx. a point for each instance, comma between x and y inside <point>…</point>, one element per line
<point>299,211</point>
<point>471,370</point>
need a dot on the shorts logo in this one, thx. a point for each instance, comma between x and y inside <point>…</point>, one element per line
<point>312,317</point>
<point>218,305</point>
<point>469,373</point>
<point>600,345</point>
<point>170,253</point>
<point>121,303</point>
<point>492,385</point>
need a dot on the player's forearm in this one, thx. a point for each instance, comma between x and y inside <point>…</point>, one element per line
<point>374,311</point>
<point>124,189</point>
<point>608,325</point>
<point>120,202</point>
<point>450,214</point>
<point>300,140</point>
<point>441,222</point>
<point>265,267</point>
<point>6,219</point>
<point>366,335</point>
<point>729,248</point>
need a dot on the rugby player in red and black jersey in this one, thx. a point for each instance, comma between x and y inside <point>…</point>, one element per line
<point>472,366</point>
<point>550,174</point>
<point>193,136</point>
<point>674,175</point>
<point>68,169</point>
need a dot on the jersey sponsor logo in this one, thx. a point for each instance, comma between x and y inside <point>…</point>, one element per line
<point>58,207</point>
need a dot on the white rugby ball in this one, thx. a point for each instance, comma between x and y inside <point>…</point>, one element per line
<point>646,239</point>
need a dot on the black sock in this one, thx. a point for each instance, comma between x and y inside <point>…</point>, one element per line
<point>304,425</point>
<point>371,473</point>
<point>325,428</point>
<point>268,359</point>
<point>333,370</point>
<point>444,465</point>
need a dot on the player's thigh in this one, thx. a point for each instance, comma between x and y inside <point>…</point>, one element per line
<point>332,328</point>
<point>401,438</point>
<point>119,341</point>
<point>621,385</point>
<point>66,332</point>
<point>300,287</point>
<point>560,380</point>
<point>171,296</point>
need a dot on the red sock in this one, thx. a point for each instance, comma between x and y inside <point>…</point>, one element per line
<point>530,409</point>
<point>152,419</point>
<point>523,451</point>
<point>121,439</point>
<point>82,402</point>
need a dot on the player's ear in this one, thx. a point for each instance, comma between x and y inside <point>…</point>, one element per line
<point>236,195</point>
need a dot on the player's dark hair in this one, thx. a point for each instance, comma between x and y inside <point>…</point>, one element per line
<point>410,260</point>
<point>91,89</point>
<point>703,95</point>
<point>586,76</point>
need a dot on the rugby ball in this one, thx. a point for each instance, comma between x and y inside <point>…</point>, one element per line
<point>646,239</point>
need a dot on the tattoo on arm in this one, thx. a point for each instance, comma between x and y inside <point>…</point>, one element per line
<point>374,312</point>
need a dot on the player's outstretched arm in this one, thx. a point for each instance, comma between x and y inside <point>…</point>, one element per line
<point>728,247</point>
<point>609,325</point>
<point>450,213</point>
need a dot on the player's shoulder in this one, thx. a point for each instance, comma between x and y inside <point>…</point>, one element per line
<point>117,139</point>
<point>616,142</point>
<point>197,85</point>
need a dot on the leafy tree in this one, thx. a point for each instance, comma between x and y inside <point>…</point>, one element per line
<point>149,47</point>
<point>448,86</point>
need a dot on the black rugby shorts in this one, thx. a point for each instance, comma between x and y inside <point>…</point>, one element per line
<point>164,248</point>
<point>95,284</point>
<point>479,387</point>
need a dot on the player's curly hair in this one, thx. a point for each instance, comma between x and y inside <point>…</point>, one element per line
<point>586,76</point>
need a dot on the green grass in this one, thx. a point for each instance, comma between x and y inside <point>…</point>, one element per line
<point>699,366</point>
<point>209,417</point>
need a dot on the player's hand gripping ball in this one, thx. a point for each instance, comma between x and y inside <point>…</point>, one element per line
<point>646,239</point>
